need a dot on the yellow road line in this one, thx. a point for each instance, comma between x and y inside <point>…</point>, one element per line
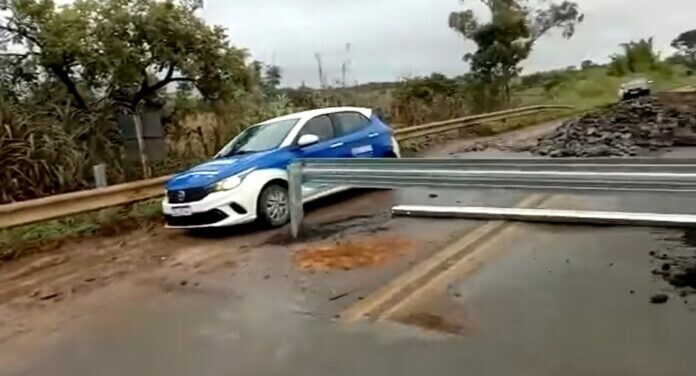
<point>390,295</point>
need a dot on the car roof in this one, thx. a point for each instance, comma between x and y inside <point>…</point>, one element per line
<point>306,115</point>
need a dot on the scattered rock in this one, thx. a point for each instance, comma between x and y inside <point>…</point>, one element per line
<point>267,276</point>
<point>621,130</point>
<point>433,195</point>
<point>339,296</point>
<point>49,296</point>
<point>687,278</point>
<point>660,272</point>
<point>183,283</point>
<point>666,266</point>
<point>659,299</point>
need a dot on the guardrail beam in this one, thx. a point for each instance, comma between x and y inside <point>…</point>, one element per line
<point>591,175</point>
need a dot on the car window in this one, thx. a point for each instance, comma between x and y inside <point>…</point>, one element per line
<point>320,126</point>
<point>349,122</point>
<point>260,137</point>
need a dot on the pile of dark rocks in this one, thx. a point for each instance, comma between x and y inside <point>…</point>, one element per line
<point>627,128</point>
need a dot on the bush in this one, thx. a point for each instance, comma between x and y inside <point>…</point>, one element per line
<point>37,157</point>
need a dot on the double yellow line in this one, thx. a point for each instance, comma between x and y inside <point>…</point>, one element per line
<point>400,292</point>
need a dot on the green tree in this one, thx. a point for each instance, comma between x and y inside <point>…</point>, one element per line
<point>637,56</point>
<point>272,76</point>
<point>685,43</point>
<point>508,38</point>
<point>587,64</point>
<point>124,50</point>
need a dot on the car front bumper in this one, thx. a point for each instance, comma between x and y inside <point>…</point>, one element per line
<point>217,209</point>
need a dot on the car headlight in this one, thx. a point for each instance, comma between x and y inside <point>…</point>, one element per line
<point>232,182</point>
<point>227,184</point>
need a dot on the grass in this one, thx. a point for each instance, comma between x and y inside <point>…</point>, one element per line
<point>19,241</point>
<point>593,87</point>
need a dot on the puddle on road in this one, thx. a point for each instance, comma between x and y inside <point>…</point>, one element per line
<point>351,253</point>
<point>370,224</point>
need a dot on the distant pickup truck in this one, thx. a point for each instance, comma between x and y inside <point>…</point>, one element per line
<point>634,89</point>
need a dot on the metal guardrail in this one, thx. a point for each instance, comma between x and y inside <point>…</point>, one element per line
<point>593,175</point>
<point>57,206</point>
<point>417,131</point>
<point>26,212</point>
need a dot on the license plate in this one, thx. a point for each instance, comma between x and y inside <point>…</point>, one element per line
<point>182,211</point>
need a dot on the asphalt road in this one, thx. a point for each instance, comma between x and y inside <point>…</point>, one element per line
<point>540,300</point>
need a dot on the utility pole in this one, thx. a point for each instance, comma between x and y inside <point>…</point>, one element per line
<point>345,67</point>
<point>322,77</point>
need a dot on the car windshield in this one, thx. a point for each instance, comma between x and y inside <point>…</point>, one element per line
<point>265,136</point>
<point>640,81</point>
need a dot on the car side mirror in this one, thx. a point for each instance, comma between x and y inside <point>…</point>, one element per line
<point>307,139</point>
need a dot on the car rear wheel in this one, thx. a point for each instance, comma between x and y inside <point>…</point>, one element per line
<point>274,206</point>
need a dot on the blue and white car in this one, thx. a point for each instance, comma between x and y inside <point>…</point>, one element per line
<point>247,180</point>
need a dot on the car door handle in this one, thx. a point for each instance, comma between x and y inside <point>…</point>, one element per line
<point>373,135</point>
<point>337,145</point>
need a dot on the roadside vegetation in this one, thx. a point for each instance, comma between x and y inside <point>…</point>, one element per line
<point>20,241</point>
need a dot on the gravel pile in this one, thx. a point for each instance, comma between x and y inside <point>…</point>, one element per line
<point>626,129</point>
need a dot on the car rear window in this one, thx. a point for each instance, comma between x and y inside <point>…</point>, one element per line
<point>349,122</point>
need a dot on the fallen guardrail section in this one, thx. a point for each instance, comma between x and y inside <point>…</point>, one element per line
<point>26,212</point>
<point>587,175</point>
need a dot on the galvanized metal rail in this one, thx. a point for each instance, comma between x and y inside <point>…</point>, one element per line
<point>417,131</point>
<point>594,175</point>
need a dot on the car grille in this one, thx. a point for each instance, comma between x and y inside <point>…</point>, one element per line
<point>182,196</point>
<point>197,219</point>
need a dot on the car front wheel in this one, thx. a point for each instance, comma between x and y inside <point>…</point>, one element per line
<point>274,207</point>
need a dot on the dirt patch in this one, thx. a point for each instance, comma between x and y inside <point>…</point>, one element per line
<point>432,322</point>
<point>351,254</point>
<point>676,265</point>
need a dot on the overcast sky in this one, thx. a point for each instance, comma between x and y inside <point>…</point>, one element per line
<point>391,39</point>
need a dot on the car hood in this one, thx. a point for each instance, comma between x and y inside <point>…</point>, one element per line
<point>213,171</point>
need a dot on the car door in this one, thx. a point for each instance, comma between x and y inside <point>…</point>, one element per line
<point>353,134</point>
<point>328,147</point>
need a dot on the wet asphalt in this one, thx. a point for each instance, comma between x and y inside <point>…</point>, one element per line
<point>559,300</point>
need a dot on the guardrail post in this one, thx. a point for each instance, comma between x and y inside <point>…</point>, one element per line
<point>295,195</point>
<point>99,175</point>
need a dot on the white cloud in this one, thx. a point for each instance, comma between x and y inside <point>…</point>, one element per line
<point>393,38</point>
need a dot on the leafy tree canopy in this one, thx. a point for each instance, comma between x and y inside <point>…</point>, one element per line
<point>686,44</point>
<point>124,50</point>
<point>508,38</point>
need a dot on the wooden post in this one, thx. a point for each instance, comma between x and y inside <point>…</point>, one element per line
<point>141,145</point>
